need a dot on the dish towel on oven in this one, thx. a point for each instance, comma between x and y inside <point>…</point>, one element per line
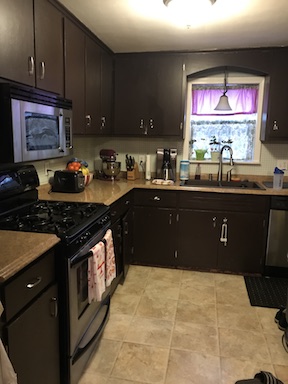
<point>7,373</point>
<point>110,257</point>
<point>96,273</point>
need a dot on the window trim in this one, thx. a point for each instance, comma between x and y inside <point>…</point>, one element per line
<point>233,78</point>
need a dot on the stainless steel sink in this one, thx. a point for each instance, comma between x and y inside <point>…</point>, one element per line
<point>223,184</point>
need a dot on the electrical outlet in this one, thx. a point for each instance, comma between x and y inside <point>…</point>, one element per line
<point>46,167</point>
<point>141,159</point>
<point>282,164</point>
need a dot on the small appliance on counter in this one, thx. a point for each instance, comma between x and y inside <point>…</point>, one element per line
<point>166,163</point>
<point>110,167</point>
<point>68,182</point>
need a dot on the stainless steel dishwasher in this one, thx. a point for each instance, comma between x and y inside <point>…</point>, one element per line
<point>277,244</point>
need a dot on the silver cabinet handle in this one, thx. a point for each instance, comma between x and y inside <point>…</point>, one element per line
<point>103,122</point>
<point>156,198</point>
<point>88,120</point>
<point>275,126</point>
<point>34,283</point>
<point>151,124</point>
<point>42,70</point>
<point>224,232</point>
<point>31,65</point>
<point>214,219</point>
<point>53,307</point>
<point>170,218</point>
<point>141,126</point>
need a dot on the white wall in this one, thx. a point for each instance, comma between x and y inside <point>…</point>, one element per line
<point>88,148</point>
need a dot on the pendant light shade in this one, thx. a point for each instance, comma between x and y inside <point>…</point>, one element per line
<point>182,2</point>
<point>223,103</point>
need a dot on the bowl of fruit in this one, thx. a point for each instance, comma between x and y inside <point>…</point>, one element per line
<point>76,165</point>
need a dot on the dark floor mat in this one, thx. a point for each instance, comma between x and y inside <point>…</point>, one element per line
<point>268,292</point>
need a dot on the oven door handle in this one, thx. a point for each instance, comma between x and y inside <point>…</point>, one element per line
<point>80,259</point>
<point>85,344</point>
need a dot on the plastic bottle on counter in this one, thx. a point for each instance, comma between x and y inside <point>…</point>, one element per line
<point>198,172</point>
<point>148,168</point>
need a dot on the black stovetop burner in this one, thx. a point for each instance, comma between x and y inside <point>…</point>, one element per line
<point>57,217</point>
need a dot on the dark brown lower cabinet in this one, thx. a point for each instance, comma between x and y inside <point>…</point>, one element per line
<point>33,340</point>
<point>155,236</point>
<point>222,241</point>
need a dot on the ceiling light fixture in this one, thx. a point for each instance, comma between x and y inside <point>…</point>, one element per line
<point>223,104</point>
<point>184,3</point>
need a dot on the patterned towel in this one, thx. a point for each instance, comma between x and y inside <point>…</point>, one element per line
<point>110,257</point>
<point>96,273</point>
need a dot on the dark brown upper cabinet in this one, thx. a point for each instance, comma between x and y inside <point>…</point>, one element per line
<point>149,95</point>
<point>39,65</point>
<point>88,82</point>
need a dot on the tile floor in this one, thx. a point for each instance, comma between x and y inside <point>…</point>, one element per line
<point>182,327</point>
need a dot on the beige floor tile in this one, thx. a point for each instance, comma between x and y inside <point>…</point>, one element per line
<point>281,372</point>
<point>195,337</point>
<point>233,317</point>
<point>117,326</point>
<point>185,367</point>
<point>165,274</point>
<point>224,278</point>
<point>138,273</point>
<point>150,331</point>
<point>278,354</point>
<point>164,309</point>
<point>266,317</point>
<point>162,289</point>
<point>132,287</point>
<point>124,304</point>
<point>243,345</point>
<point>236,369</point>
<point>203,294</point>
<point>93,378</point>
<point>196,313</point>
<point>120,381</point>
<point>199,278</point>
<point>136,362</point>
<point>104,358</point>
<point>232,293</point>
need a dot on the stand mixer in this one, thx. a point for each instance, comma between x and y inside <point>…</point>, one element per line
<point>110,167</point>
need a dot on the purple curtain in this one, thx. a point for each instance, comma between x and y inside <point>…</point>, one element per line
<point>242,101</point>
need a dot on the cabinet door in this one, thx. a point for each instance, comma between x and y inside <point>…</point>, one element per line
<point>155,236</point>
<point>16,40</point>
<point>245,247</point>
<point>75,73</point>
<point>198,239</point>
<point>128,240</point>
<point>93,87</point>
<point>106,93</point>
<point>49,47</point>
<point>33,341</point>
<point>148,95</point>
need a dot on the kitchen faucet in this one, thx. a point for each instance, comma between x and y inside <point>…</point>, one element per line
<point>219,177</point>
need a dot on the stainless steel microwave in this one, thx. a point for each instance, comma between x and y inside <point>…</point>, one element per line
<point>35,124</point>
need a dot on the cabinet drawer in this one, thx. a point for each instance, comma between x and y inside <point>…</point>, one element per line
<point>224,202</point>
<point>28,284</point>
<point>121,206</point>
<point>155,198</point>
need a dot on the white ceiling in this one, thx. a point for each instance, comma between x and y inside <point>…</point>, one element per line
<point>147,25</point>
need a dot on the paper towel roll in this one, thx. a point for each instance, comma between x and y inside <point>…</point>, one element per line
<point>148,168</point>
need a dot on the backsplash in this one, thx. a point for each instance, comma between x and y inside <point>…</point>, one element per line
<point>88,148</point>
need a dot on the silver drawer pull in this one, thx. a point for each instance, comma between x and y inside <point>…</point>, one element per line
<point>34,283</point>
<point>53,307</point>
<point>156,198</point>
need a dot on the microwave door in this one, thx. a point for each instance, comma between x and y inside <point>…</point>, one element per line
<point>41,131</point>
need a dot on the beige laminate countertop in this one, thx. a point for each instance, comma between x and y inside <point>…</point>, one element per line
<point>18,249</point>
<point>108,192</point>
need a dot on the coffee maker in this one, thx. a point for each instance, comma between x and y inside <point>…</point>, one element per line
<point>110,167</point>
<point>166,163</point>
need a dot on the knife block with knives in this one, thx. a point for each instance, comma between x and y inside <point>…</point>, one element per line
<point>132,168</point>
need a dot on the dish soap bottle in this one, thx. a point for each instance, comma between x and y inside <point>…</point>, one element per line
<point>198,172</point>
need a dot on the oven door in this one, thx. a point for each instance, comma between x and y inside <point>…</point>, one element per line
<point>83,319</point>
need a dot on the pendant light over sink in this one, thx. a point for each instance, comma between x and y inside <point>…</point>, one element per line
<point>223,103</point>
<point>187,3</point>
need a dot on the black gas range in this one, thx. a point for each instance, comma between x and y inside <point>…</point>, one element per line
<point>21,210</point>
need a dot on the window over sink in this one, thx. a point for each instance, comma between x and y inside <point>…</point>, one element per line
<point>208,130</point>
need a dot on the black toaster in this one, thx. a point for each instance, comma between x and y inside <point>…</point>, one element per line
<point>68,182</point>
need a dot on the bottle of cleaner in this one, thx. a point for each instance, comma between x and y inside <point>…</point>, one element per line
<point>198,172</point>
